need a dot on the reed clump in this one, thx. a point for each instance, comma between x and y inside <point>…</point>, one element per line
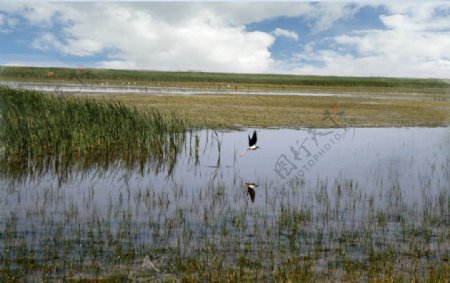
<point>37,126</point>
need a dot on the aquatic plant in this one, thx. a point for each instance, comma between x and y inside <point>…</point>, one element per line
<point>39,128</point>
<point>211,233</point>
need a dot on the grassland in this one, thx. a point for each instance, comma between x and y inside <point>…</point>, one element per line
<point>224,80</point>
<point>374,102</point>
<point>225,111</point>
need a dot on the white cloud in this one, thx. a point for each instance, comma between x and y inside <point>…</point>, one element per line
<point>139,37</point>
<point>7,23</point>
<point>325,14</point>
<point>202,42</point>
<point>279,32</point>
<point>46,41</point>
<point>79,47</point>
<point>37,14</point>
<point>415,43</point>
<point>171,36</point>
<point>348,65</point>
<point>214,36</point>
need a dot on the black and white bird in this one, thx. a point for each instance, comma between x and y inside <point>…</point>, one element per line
<point>251,190</point>
<point>252,142</point>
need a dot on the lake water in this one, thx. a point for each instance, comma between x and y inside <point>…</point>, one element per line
<point>374,159</point>
<point>102,89</point>
<point>371,183</point>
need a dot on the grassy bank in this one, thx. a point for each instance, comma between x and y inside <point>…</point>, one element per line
<point>375,102</point>
<point>39,127</point>
<point>220,80</point>
<point>296,111</point>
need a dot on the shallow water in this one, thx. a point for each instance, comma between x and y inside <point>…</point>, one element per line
<point>370,182</point>
<point>101,89</point>
<point>374,159</point>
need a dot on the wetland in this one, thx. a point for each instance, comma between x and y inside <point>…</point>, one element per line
<point>129,187</point>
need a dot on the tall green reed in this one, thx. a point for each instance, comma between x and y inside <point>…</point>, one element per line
<point>37,128</point>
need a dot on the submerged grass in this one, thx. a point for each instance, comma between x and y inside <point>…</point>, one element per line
<point>39,127</point>
<point>137,229</point>
<point>315,232</point>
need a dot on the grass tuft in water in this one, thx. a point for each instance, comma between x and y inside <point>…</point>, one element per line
<point>55,129</point>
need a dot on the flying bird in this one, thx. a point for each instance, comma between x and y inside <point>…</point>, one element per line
<point>251,187</point>
<point>252,142</point>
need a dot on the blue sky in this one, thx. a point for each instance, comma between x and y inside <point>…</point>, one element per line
<point>401,39</point>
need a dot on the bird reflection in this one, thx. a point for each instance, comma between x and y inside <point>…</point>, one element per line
<point>251,190</point>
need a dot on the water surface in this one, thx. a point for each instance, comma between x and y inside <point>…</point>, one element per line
<point>352,190</point>
<point>374,159</point>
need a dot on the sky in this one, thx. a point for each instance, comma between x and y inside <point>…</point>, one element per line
<point>384,38</point>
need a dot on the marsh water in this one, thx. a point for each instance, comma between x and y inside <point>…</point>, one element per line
<point>371,183</point>
<point>103,88</point>
<point>371,158</point>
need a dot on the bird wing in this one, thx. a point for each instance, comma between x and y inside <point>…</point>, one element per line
<point>252,141</point>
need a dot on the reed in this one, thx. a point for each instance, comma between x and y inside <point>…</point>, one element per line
<point>55,129</point>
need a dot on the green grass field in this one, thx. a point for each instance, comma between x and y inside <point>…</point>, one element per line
<point>225,111</point>
<point>89,75</point>
<point>375,102</point>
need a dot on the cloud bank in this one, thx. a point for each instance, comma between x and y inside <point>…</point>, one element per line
<point>414,43</point>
